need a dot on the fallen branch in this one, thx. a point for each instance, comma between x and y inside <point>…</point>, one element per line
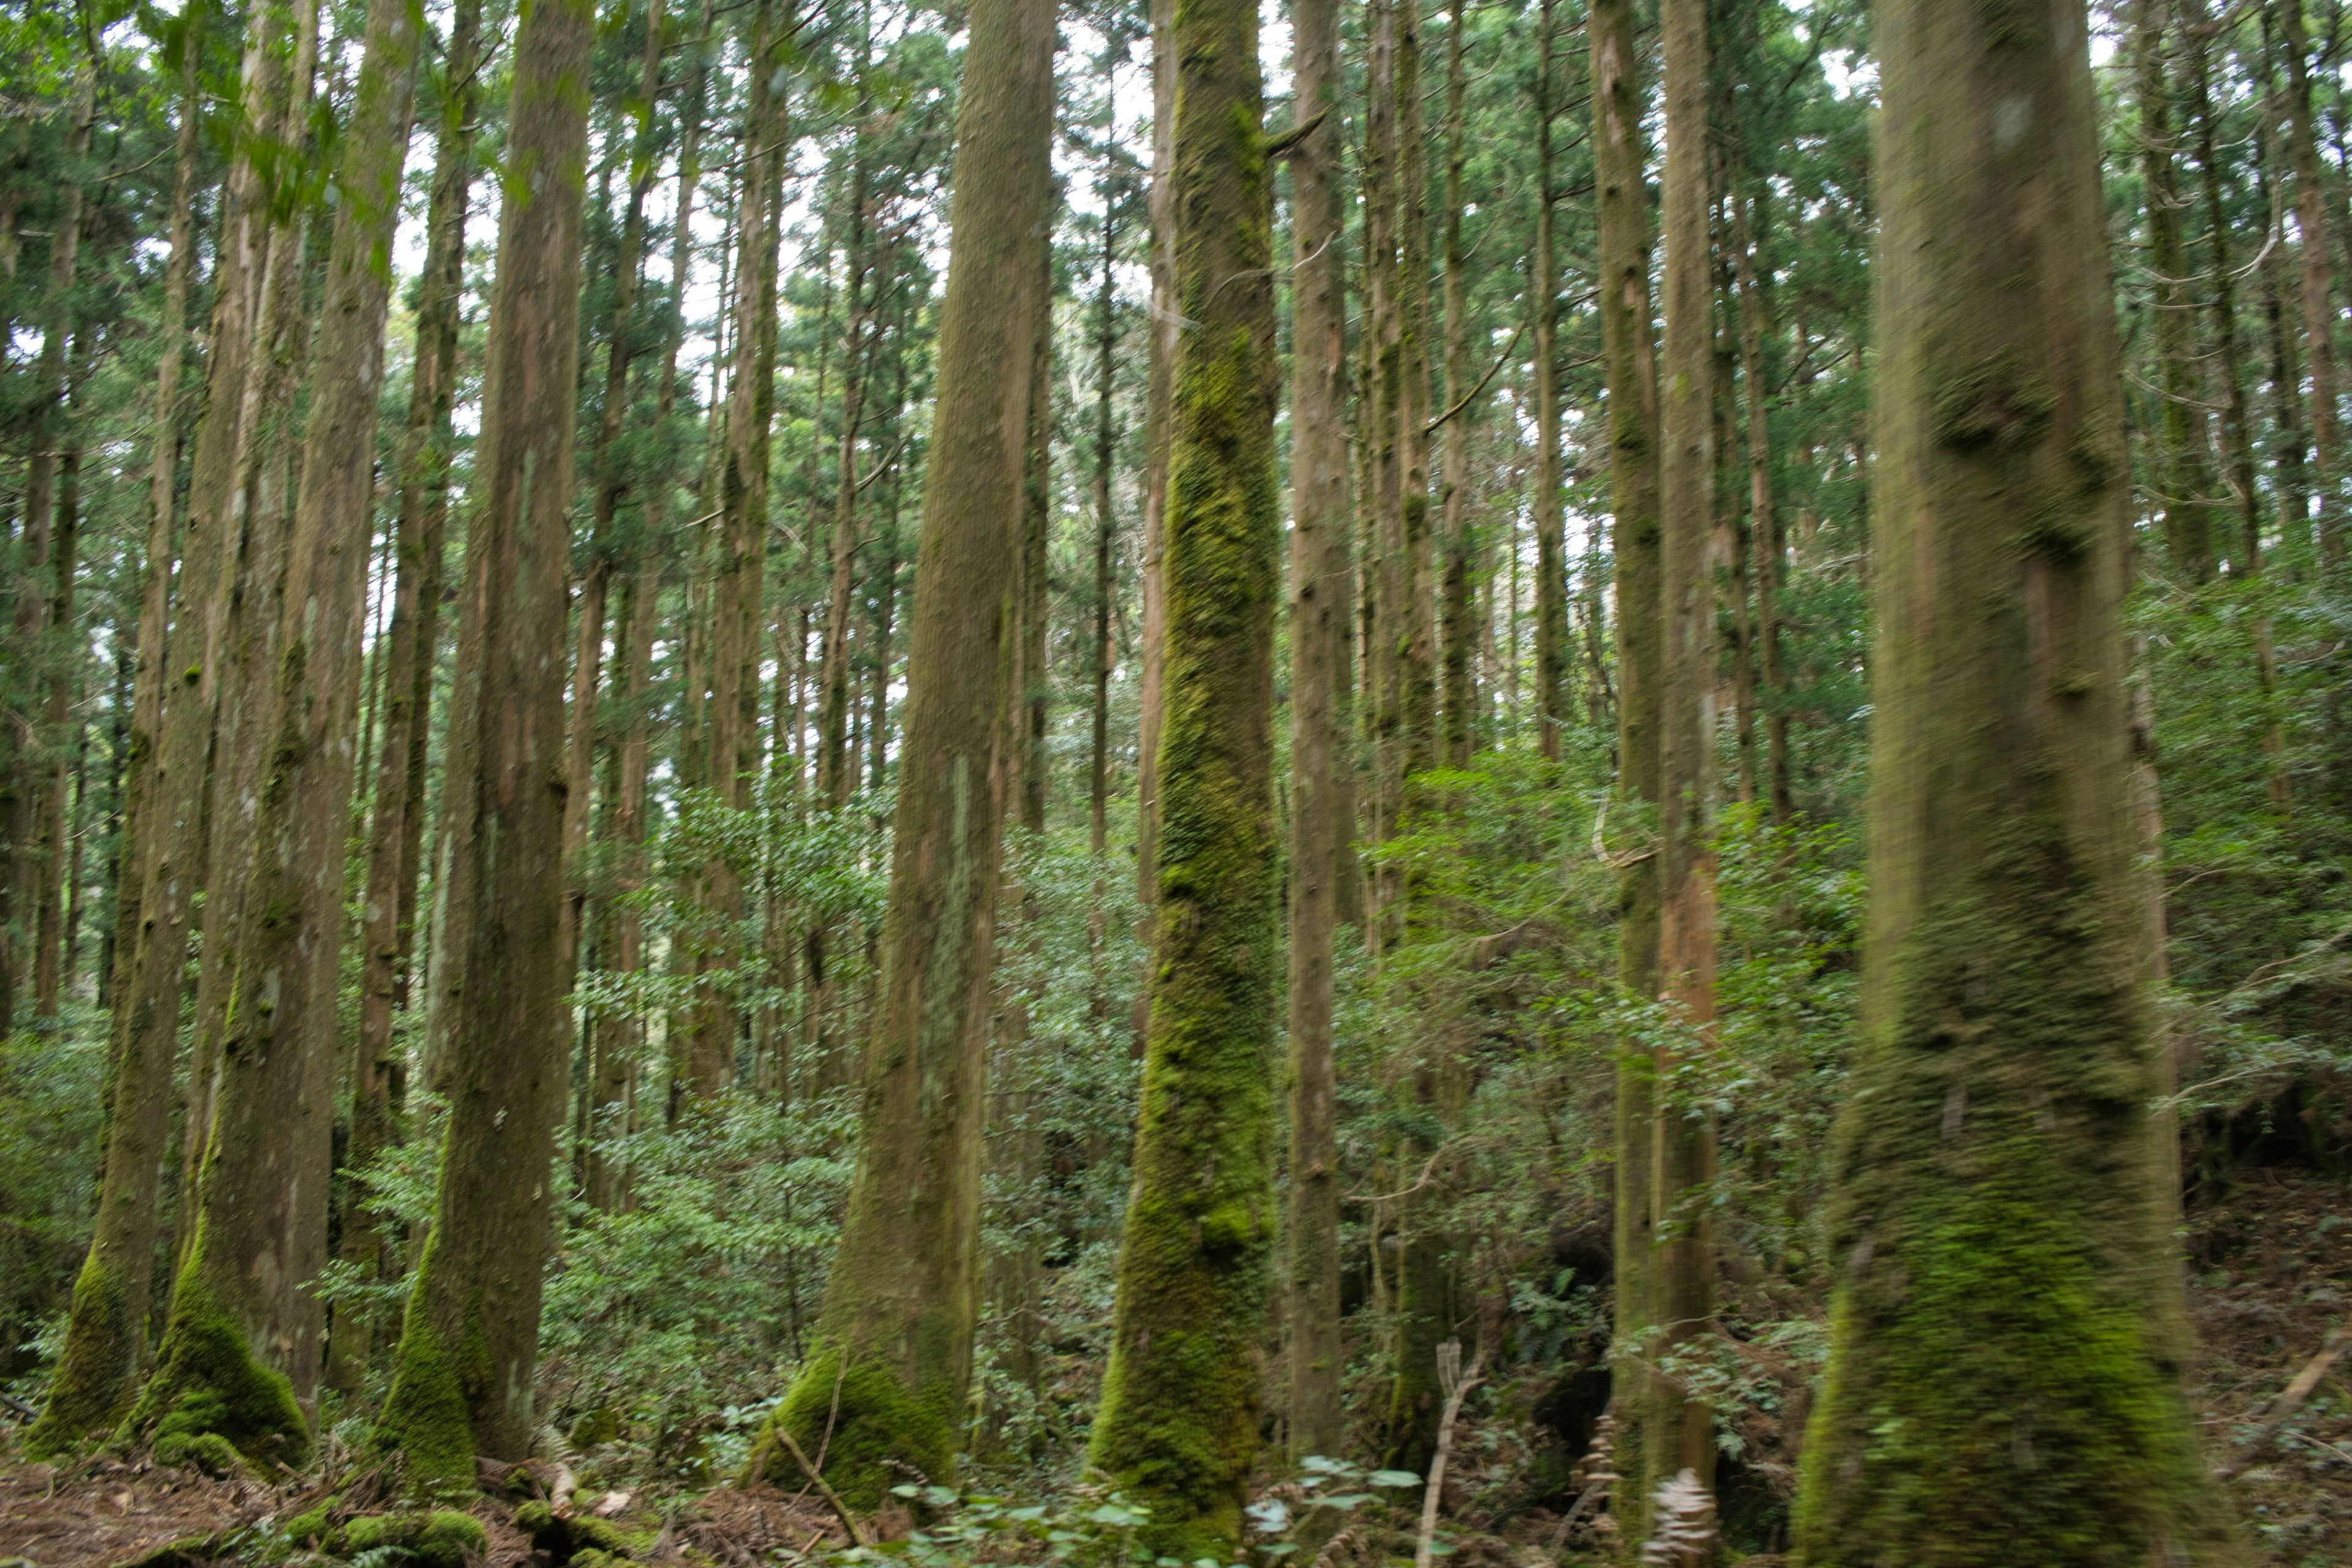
<point>17,1405</point>
<point>1457,1385</point>
<point>832,1498</point>
<point>2289,1401</point>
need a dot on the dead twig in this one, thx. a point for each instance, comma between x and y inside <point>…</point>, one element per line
<point>832,1498</point>
<point>2289,1401</point>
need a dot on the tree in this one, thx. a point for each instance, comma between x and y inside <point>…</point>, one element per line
<point>1631,370</point>
<point>2004,1382</point>
<point>462,1376</point>
<point>1322,826</point>
<point>1177,1424</point>
<point>888,1381</point>
<point>1682,1426</point>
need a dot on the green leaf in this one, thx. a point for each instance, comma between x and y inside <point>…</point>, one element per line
<point>1393,1478</point>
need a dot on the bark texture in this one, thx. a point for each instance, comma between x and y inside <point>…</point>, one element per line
<point>2008,1334</point>
<point>889,1379</point>
<point>462,1376</point>
<point>1177,1423</point>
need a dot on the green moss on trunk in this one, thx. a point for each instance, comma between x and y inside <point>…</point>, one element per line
<point>209,1384</point>
<point>1178,1426</point>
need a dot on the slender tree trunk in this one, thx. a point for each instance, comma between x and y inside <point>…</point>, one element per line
<point>1460,544</point>
<point>1683,1425</point>
<point>1321,609</point>
<point>1769,545</point>
<point>736,614</point>
<point>1152,705</point>
<point>2222,304</point>
<point>837,777</point>
<point>1098,658</point>
<point>1384,589</point>
<point>462,1381</point>
<point>2318,312</point>
<point>890,1380</point>
<point>239,1314</point>
<point>50,952</point>
<point>2289,449</point>
<point>1631,368</point>
<point>2184,481</point>
<point>1177,1428</point>
<point>24,793</point>
<point>2002,1108</point>
<point>1552,634</point>
<point>1036,541</point>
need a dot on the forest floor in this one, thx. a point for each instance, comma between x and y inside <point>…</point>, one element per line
<point>2271,1280</point>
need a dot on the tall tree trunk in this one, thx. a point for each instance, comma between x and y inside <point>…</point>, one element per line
<point>50,954</point>
<point>2291,477</point>
<point>2318,312</point>
<point>388,907</point>
<point>1321,829</point>
<point>1177,1427</point>
<point>2007,1280</point>
<point>104,1338</point>
<point>24,792</point>
<point>2184,481</point>
<point>1151,704</point>
<point>1455,529</point>
<point>890,1378</point>
<point>1552,634</point>
<point>1098,658</point>
<point>1631,368</point>
<point>1384,589</point>
<point>2222,304</point>
<point>737,603</point>
<point>1682,1429</point>
<point>1769,543</point>
<point>462,1381</point>
<point>241,1314</point>
<point>836,776</point>
<point>1036,549</point>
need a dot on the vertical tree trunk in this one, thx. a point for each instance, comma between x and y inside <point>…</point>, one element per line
<point>1321,609</point>
<point>1631,369</point>
<point>172,851</point>
<point>1417,577</point>
<point>1551,564</point>
<point>24,800</point>
<point>240,1314</point>
<point>2318,313</point>
<point>388,906</point>
<point>462,1377</point>
<point>1769,543</point>
<point>890,1380</point>
<point>1036,541</point>
<point>736,609</point>
<point>1177,1427</point>
<point>1682,1430</point>
<point>1098,658</point>
<point>50,953</point>
<point>2221,305</point>
<point>2289,451</point>
<point>1457,532</point>
<point>836,775</point>
<point>2184,481</point>
<point>1160,415</point>
<point>2006,1275</point>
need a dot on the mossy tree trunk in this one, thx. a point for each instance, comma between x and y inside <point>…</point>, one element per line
<point>242,1314</point>
<point>462,1380</point>
<point>1322,602</point>
<point>1681,1429</point>
<point>1629,366</point>
<point>388,905</point>
<point>1177,1428</point>
<point>106,1334</point>
<point>2008,1332</point>
<point>1458,535</point>
<point>890,1378</point>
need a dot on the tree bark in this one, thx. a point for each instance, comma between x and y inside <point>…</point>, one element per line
<point>890,1380</point>
<point>462,1381</point>
<point>240,1311</point>
<point>1683,1425</point>
<point>388,906</point>
<point>1177,1428</point>
<point>2184,481</point>
<point>1769,543</point>
<point>1321,828</point>
<point>1552,634</point>
<point>1459,603</point>
<point>2000,1222</point>
<point>2318,313</point>
<point>1631,369</point>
